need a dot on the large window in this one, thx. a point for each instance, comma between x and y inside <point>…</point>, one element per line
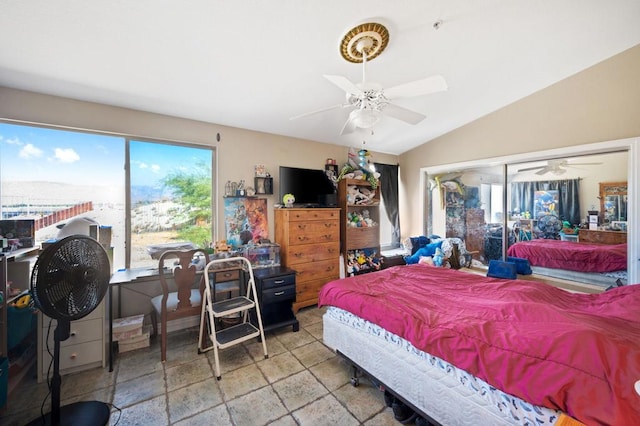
<point>170,197</point>
<point>61,178</point>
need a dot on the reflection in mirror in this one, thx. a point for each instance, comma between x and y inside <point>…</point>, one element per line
<point>565,223</point>
<point>548,208</point>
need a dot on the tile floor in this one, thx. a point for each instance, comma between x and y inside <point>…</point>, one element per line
<point>301,383</point>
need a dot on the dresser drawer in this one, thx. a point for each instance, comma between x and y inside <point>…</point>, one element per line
<point>283,280</point>
<point>222,276</point>
<point>75,356</point>
<point>279,294</point>
<point>314,214</point>
<point>314,232</point>
<point>312,253</point>
<point>81,332</point>
<point>317,270</point>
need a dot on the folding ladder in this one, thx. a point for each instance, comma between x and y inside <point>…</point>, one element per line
<point>241,305</point>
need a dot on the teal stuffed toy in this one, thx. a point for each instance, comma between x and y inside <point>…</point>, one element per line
<point>438,257</point>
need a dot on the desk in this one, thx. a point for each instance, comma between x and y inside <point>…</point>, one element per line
<point>125,277</point>
<point>227,278</point>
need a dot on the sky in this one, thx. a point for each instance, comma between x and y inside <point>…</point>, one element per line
<point>40,154</point>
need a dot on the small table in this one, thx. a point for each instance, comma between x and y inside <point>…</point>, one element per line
<point>276,288</point>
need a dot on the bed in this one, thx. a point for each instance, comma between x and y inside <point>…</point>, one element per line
<point>466,349</point>
<point>601,264</point>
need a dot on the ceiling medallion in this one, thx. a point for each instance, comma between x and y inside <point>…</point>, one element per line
<point>371,37</point>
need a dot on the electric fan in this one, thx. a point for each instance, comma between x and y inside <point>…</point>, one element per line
<point>68,282</point>
<point>549,225</point>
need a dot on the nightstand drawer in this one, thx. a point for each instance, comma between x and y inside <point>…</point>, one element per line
<point>231,275</point>
<point>281,281</point>
<point>279,294</point>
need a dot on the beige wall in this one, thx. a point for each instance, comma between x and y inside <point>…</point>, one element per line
<point>599,104</point>
<point>238,150</point>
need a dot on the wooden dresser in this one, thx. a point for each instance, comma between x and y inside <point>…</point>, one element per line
<point>309,244</point>
<point>603,237</point>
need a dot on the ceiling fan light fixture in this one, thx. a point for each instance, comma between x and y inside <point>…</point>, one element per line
<point>364,118</point>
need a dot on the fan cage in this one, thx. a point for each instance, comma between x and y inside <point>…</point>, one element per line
<point>70,278</point>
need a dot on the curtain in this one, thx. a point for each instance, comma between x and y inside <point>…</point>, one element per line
<point>522,197</point>
<point>389,193</point>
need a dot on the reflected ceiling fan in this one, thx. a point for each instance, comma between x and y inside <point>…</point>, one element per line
<point>370,101</point>
<point>557,167</point>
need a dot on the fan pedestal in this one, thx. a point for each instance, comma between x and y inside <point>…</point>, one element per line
<point>77,414</point>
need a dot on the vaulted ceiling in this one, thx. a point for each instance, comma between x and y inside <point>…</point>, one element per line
<point>255,64</point>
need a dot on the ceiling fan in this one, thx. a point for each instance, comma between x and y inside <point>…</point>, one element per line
<point>370,101</point>
<point>557,167</point>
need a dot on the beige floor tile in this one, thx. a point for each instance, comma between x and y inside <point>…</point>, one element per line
<point>326,411</point>
<point>294,340</point>
<point>184,374</point>
<point>139,389</point>
<point>384,418</point>
<point>301,383</point>
<point>313,353</point>
<point>214,416</point>
<point>231,358</point>
<point>137,363</point>
<point>241,381</point>
<point>151,412</point>
<point>86,381</point>
<point>256,408</point>
<point>299,389</point>
<point>280,366</point>
<point>193,399</point>
<point>363,401</point>
<point>332,373</point>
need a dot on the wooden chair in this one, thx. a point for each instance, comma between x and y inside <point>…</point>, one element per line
<point>184,301</point>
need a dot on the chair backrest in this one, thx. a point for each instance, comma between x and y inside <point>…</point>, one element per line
<point>184,273</point>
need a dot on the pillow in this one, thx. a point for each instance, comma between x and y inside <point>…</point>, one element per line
<point>427,250</point>
<point>418,243</point>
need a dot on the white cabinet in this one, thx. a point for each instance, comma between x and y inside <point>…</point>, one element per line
<point>85,348</point>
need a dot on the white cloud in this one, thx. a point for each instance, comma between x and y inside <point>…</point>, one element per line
<point>14,141</point>
<point>143,165</point>
<point>29,151</point>
<point>67,155</point>
<point>155,168</point>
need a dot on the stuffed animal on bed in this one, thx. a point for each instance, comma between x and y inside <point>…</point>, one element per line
<point>438,257</point>
<point>427,250</point>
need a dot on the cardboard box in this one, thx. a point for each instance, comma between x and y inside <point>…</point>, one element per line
<point>135,342</point>
<point>127,326</point>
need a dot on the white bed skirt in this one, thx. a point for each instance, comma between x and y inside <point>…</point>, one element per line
<point>448,395</point>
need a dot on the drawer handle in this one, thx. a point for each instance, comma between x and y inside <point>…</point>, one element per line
<point>73,356</point>
<point>227,274</point>
<point>302,238</point>
<point>298,255</point>
<point>278,293</point>
<point>302,226</point>
<point>278,281</point>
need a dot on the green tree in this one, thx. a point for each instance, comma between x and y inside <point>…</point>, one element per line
<point>193,190</point>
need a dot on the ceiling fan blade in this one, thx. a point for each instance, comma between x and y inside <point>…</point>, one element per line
<point>583,164</point>
<point>306,114</point>
<point>344,84</point>
<point>403,114</point>
<point>349,127</point>
<point>425,86</point>
<point>528,169</point>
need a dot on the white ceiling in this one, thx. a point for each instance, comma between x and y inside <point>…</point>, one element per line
<point>254,64</point>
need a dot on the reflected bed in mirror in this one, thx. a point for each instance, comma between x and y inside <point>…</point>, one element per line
<point>468,203</point>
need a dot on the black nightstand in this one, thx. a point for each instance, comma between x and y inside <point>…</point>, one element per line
<point>276,288</point>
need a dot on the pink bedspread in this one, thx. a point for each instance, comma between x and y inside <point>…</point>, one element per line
<point>581,257</point>
<point>579,353</point>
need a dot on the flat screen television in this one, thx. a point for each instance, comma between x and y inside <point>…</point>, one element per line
<point>310,187</point>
